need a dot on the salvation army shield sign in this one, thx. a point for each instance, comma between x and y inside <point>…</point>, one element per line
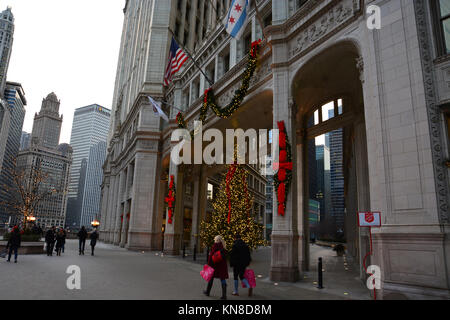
<point>369,219</point>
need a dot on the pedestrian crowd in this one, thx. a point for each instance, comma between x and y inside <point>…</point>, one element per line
<point>55,240</point>
<point>240,259</point>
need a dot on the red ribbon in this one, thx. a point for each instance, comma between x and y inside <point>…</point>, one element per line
<point>281,209</point>
<point>228,179</point>
<point>281,126</point>
<point>282,139</point>
<point>281,193</point>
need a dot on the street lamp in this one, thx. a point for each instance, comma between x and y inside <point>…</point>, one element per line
<point>95,223</point>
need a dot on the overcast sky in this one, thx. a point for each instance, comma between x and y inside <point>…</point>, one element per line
<point>69,47</point>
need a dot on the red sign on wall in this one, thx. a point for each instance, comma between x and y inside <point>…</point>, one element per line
<point>369,219</point>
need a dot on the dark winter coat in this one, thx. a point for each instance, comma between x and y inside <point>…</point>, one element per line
<point>15,240</point>
<point>221,268</point>
<point>94,237</point>
<point>60,240</point>
<point>240,255</point>
<point>50,236</point>
<point>82,234</point>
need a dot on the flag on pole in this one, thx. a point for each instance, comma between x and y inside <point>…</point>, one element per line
<point>177,58</point>
<point>157,109</point>
<point>237,18</point>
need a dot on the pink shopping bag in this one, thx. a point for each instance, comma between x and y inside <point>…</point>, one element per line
<point>250,276</point>
<point>207,273</point>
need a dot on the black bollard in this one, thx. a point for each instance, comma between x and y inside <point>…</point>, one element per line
<point>195,252</point>
<point>207,254</point>
<point>320,267</point>
<point>184,250</point>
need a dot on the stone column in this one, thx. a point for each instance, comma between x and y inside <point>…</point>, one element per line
<point>196,213</point>
<point>125,224</point>
<point>233,52</point>
<point>127,209</point>
<point>172,235</point>
<point>104,228</point>
<point>280,11</point>
<point>203,201</point>
<point>119,211</point>
<point>284,266</point>
<point>112,208</point>
<point>144,198</point>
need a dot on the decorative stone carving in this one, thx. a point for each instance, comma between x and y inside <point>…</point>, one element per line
<point>336,16</point>
<point>360,67</point>
<point>440,170</point>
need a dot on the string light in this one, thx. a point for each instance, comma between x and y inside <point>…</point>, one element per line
<point>242,221</point>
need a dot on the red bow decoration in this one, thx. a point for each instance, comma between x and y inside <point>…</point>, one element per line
<point>282,167</point>
<point>121,217</point>
<point>205,100</point>
<point>128,216</point>
<point>170,199</point>
<point>255,47</point>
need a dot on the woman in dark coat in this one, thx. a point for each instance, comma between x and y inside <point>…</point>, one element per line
<point>94,237</point>
<point>60,241</point>
<point>14,244</point>
<point>220,267</point>
<point>239,260</point>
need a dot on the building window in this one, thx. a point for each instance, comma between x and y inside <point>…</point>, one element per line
<point>446,111</point>
<point>441,9</point>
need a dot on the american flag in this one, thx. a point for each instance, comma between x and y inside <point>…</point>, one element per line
<point>177,58</point>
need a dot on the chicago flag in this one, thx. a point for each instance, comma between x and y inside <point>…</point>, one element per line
<point>237,18</point>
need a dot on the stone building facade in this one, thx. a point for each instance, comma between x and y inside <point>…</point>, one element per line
<point>52,159</point>
<point>394,86</point>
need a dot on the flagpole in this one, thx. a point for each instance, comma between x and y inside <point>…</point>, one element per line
<point>190,56</point>
<point>258,16</point>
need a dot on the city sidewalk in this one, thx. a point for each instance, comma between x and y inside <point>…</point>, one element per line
<point>115,273</point>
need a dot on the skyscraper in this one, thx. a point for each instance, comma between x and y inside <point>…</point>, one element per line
<point>25,141</point>
<point>53,160</point>
<point>336,144</point>
<point>47,123</point>
<point>6,42</point>
<point>15,97</point>
<point>90,127</point>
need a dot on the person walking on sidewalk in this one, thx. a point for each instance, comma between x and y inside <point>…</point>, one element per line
<point>239,260</point>
<point>14,244</point>
<point>64,239</point>
<point>217,261</point>
<point>50,240</point>
<point>60,241</point>
<point>93,237</point>
<point>82,235</point>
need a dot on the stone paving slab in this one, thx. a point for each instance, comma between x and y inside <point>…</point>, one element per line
<point>115,273</point>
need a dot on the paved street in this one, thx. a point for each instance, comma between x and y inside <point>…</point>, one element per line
<point>115,273</point>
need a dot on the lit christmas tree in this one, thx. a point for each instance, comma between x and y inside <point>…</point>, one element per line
<point>232,213</point>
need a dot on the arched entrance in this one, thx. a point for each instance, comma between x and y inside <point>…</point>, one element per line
<point>331,144</point>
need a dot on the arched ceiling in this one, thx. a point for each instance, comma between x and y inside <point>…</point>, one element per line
<point>330,74</point>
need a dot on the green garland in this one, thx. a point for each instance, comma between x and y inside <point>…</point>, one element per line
<point>209,100</point>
